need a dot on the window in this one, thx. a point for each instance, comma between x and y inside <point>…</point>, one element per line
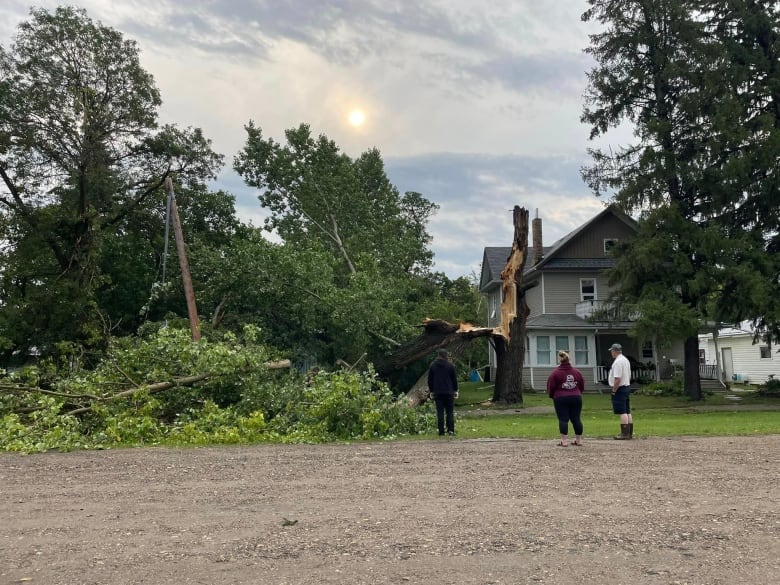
<point>543,350</point>
<point>588,289</point>
<point>647,350</point>
<point>609,243</point>
<point>493,303</point>
<point>765,352</point>
<point>580,350</point>
<point>547,347</point>
<point>702,357</point>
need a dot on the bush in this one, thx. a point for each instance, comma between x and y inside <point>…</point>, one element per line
<point>337,406</point>
<point>770,388</point>
<point>240,401</point>
<point>672,387</point>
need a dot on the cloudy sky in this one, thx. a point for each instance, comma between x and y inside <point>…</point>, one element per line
<point>476,105</point>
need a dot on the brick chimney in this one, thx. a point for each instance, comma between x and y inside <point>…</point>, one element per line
<point>537,239</point>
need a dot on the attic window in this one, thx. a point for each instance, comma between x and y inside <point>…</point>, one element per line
<point>609,243</point>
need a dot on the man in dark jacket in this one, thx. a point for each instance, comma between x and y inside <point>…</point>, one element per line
<point>443,384</point>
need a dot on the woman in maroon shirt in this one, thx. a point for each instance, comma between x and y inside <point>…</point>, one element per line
<point>565,386</point>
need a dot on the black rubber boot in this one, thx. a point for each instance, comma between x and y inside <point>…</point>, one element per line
<point>630,430</point>
<point>624,433</point>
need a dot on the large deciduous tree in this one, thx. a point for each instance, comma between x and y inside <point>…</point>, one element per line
<point>375,239</point>
<point>314,191</point>
<point>80,151</point>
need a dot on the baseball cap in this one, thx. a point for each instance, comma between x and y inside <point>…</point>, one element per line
<point>615,347</point>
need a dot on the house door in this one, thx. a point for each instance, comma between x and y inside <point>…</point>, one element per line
<point>728,364</point>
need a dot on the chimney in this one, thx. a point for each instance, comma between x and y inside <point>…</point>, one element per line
<point>537,235</point>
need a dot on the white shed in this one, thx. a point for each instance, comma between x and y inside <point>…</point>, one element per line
<point>741,360</point>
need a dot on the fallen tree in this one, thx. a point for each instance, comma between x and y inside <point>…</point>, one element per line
<point>507,338</point>
<point>94,400</point>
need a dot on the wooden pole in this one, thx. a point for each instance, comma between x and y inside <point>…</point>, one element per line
<point>189,293</point>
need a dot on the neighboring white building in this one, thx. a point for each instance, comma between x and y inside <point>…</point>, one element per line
<point>740,359</point>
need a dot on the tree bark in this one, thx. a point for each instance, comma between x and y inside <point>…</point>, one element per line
<point>691,371</point>
<point>509,336</point>
<point>419,392</point>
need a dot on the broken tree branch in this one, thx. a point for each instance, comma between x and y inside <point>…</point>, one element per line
<point>150,388</point>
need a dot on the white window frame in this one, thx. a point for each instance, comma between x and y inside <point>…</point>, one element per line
<point>554,346</point>
<point>548,350</point>
<point>765,349</point>
<point>582,292</point>
<point>578,352</point>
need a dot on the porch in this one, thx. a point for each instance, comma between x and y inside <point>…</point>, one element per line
<point>711,376</point>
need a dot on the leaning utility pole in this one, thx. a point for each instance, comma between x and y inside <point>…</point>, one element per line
<point>189,293</point>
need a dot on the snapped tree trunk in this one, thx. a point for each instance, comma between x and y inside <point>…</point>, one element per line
<point>509,337</point>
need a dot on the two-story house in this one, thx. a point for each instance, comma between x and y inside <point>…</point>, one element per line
<point>568,308</point>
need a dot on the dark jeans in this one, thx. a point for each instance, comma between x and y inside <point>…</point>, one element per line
<point>445,404</point>
<point>569,408</point>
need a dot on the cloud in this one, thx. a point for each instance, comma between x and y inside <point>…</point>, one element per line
<point>551,73</point>
<point>475,105</point>
<point>476,194</point>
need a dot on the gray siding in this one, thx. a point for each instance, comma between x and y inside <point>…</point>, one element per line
<point>536,378</point>
<point>534,299</point>
<point>590,243</point>
<point>562,290</point>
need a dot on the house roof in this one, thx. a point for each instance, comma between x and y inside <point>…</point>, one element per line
<point>549,256</point>
<point>495,257</point>
<point>494,261</point>
<point>581,263</point>
<point>744,329</point>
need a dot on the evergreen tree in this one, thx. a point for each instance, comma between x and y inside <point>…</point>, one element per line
<point>699,82</point>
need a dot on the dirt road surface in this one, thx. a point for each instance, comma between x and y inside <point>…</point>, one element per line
<point>652,511</point>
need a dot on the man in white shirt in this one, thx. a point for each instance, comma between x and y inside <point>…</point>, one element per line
<point>620,380</point>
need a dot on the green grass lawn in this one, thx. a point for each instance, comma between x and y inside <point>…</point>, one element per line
<point>659,416</point>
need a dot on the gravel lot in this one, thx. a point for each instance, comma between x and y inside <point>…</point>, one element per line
<point>649,511</point>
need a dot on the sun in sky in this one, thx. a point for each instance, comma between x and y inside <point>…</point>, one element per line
<point>357,118</point>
